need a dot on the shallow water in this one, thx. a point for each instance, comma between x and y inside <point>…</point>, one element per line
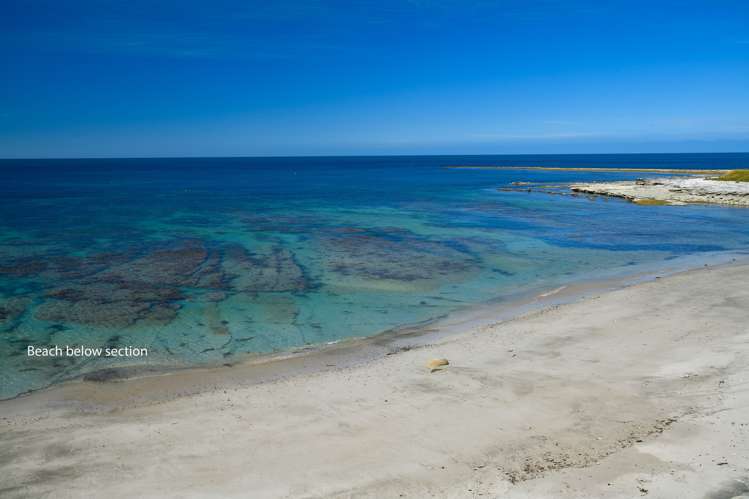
<point>205,260</point>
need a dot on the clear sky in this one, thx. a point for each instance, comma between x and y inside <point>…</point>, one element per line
<point>220,77</point>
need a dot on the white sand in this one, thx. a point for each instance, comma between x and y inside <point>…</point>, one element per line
<point>638,392</point>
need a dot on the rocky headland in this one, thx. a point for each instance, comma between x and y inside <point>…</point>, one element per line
<point>673,191</point>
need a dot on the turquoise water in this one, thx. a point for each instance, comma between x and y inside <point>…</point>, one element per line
<point>203,261</point>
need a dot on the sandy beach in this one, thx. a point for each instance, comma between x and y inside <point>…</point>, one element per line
<point>639,392</point>
<point>311,249</point>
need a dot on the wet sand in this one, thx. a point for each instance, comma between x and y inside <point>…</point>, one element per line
<point>635,392</point>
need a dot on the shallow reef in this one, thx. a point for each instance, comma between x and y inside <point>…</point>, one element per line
<point>147,283</point>
<point>393,254</point>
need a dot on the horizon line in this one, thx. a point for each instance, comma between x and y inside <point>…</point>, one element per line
<point>302,156</point>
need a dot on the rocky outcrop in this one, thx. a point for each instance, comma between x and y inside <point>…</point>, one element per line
<point>676,191</point>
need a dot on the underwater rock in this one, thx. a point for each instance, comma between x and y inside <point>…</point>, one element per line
<point>114,314</point>
<point>274,272</point>
<point>56,267</point>
<point>349,230</point>
<point>24,267</point>
<point>161,313</point>
<point>170,266</point>
<point>211,274</point>
<point>146,286</point>
<point>214,296</point>
<point>69,294</point>
<point>379,254</point>
<point>12,308</point>
<point>107,292</point>
<point>127,291</point>
<point>285,224</point>
<point>110,304</point>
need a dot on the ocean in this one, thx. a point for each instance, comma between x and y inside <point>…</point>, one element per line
<point>205,261</point>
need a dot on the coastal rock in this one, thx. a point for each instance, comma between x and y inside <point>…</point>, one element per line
<point>437,364</point>
<point>672,191</point>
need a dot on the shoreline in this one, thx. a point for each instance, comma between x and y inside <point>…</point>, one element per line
<point>156,383</point>
<point>671,191</point>
<point>635,391</point>
<point>674,171</point>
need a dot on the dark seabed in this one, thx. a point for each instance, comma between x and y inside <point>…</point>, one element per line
<point>204,260</point>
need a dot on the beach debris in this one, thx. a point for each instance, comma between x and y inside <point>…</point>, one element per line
<point>437,364</point>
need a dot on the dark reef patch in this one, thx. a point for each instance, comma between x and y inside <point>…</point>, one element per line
<point>12,308</point>
<point>395,254</point>
<point>149,284</point>
<point>282,223</point>
<point>23,267</point>
<point>273,272</point>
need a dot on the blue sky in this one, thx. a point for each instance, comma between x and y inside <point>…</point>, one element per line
<point>185,77</point>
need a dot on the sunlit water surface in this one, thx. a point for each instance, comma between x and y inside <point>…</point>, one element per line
<point>205,260</point>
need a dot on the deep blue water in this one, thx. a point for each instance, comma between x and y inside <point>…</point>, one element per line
<point>206,260</point>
